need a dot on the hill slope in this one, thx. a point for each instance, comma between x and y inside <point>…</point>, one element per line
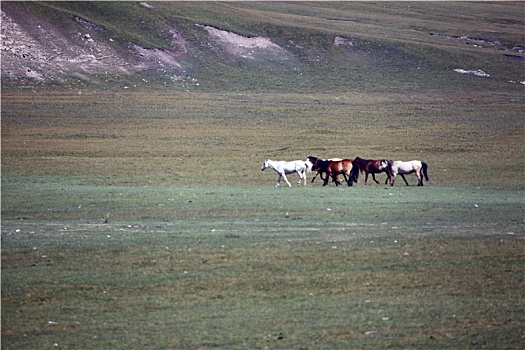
<point>264,46</point>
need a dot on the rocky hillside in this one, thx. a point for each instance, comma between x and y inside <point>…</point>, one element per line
<point>263,47</point>
<point>35,49</point>
<point>76,51</point>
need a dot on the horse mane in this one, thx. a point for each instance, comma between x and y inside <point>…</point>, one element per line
<point>358,161</point>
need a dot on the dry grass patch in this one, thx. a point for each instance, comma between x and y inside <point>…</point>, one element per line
<point>226,137</point>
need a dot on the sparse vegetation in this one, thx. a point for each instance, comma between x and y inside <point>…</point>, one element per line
<point>108,199</point>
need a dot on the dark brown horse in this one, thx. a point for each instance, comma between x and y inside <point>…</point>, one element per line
<point>333,168</point>
<point>371,166</point>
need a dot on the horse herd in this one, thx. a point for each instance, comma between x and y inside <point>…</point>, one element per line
<point>349,168</point>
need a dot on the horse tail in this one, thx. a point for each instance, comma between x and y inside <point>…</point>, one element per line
<point>308,165</point>
<point>390,166</point>
<point>354,173</point>
<point>425,167</point>
<point>389,171</point>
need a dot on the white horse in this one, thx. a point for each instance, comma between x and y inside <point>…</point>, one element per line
<point>395,167</point>
<point>283,168</point>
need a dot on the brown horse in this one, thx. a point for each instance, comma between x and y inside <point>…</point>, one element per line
<point>320,171</point>
<point>370,166</point>
<point>332,168</point>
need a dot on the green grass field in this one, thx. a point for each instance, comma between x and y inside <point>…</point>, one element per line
<point>141,221</point>
<point>252,267</point>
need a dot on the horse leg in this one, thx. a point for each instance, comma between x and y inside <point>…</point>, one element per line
<point>388,178</point>
<point>366,178</point>
<point>326,179</point>
<point>349,181</point>
<point>336,179</point>
<point>329,176</point>
<point>285,179</point>
<point>278,181</point>
<point>406,182</point>
<point>374,177</point>
<point>419,178</point>
<point>346,179</point>
<point>392,179</point>
<point>317,173</point>
<point>302,176</point>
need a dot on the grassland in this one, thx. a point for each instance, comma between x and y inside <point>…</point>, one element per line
<point>141,218</point>
<point>192,139</point>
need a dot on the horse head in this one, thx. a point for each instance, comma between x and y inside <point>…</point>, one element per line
<point>312,160</point>
<point>265,165</point>
<point>383,164</point>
